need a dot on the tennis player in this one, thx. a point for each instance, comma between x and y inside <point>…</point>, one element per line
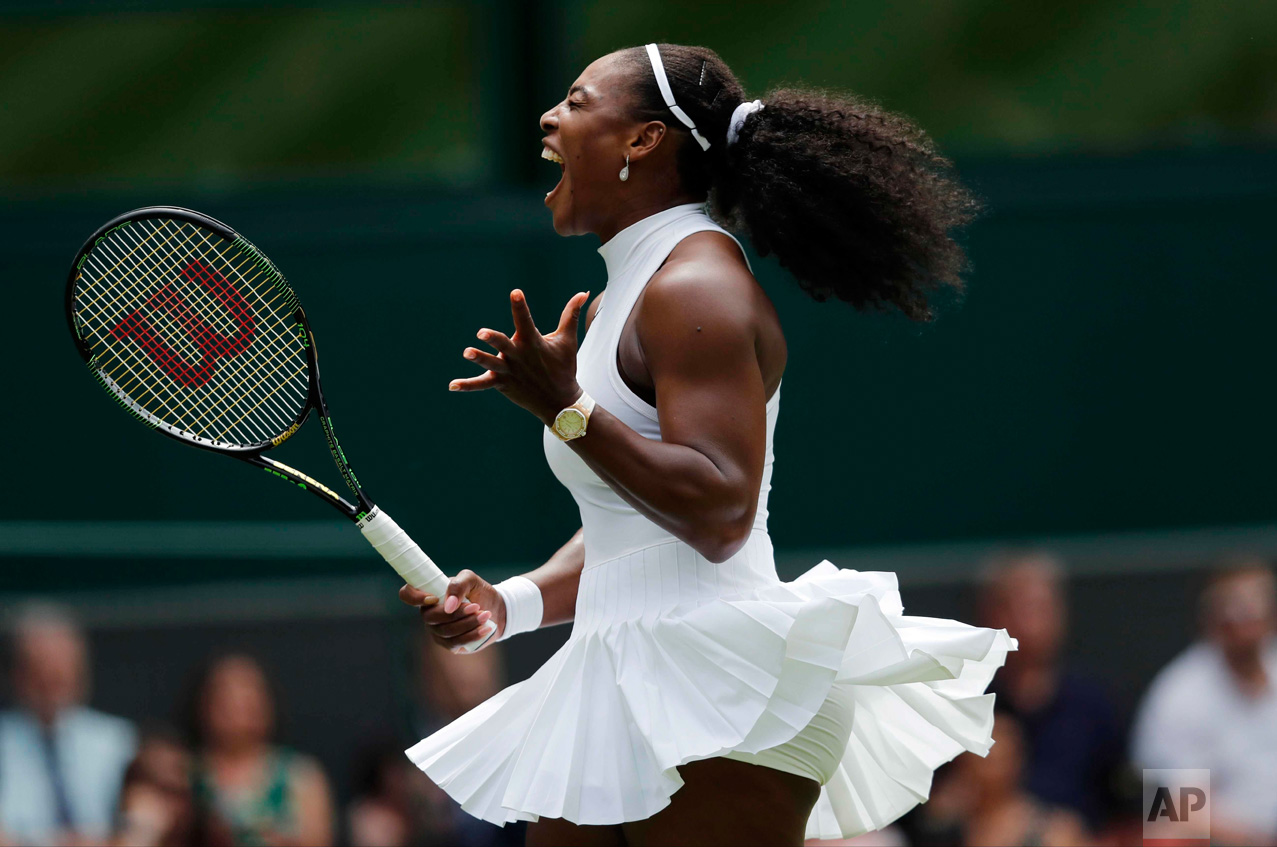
<point>699,699</point>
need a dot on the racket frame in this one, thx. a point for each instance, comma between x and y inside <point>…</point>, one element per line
<point>418,570</point>
<point>251,454</point>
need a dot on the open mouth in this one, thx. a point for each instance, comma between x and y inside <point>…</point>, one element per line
<point>550,155</point>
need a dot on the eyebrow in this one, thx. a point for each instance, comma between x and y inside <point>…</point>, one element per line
<point>577,88</point>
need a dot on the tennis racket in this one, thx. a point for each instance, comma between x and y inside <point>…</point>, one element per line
<point>199,336</point>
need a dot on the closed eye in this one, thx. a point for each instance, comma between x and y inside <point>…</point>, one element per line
<point>576,97</point>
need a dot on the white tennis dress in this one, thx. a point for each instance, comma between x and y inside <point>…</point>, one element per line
<point>673,658</point>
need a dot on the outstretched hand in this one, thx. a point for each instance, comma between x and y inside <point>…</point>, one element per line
<point>535,371</point>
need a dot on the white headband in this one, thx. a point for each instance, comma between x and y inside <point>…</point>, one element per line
<point>744,110</point>
<point>663,83</point>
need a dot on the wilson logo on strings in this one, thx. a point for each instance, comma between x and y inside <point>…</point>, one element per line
<point>140,325</point>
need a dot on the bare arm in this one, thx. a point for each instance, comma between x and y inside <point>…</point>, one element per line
<point>558,580</point>
<point>700,481</point>
<point>698,328</point>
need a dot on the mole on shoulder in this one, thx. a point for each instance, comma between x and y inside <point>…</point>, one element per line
<point>698,329</point>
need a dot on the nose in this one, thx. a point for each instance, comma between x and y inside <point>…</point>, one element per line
<point>550,120</point>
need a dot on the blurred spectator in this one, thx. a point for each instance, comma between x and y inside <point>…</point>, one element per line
<point>248,790</point>
<point>156,804</point>
<point>1072,737</point>
<point>452,685</point>
<point>60,762</point>
<point>1215,705</point>
<point>392,800</point>
<point>982,801</point>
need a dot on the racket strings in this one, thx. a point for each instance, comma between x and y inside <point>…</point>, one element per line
<point>277,339</point>
<point>205,341</point>
<point>108,315</point>
<point>205,409</point>
<point>169,398</point>
<point>195,332</point>
<point>242,369</point>
<point>179,328</point>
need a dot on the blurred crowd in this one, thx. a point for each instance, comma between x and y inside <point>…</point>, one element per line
<point>1066,764</point>
<point>215,775</point>
<point>1065,768</point>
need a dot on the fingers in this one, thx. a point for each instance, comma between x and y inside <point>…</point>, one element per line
<point>456,644</point>
<point>499,340</point>
<point>459,587</point>
<point>572,313</point>
<point>523,324</point>
<point>456,620</point>
<point>487,379</point>
<point>469,623</point>
<point>416,597</point>
<point>486,360</point>
<point>435,616</point>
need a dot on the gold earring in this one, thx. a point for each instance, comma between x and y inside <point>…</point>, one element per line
<point>625,171</point>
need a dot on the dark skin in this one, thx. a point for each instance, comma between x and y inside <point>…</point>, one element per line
<point>704,346</point>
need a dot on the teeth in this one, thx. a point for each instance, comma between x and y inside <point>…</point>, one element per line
<point>547,153</point>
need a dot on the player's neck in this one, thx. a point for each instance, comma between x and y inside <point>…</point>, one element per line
<point>235,754</point>
<point>644,205</point>
<point>1248,671</point>
<point>1031,684</point>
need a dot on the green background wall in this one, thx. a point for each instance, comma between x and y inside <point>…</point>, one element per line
<point>1107,371</point>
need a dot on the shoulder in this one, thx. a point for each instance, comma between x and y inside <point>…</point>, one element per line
<point>13,726</point>
<point>1269,653</point>
<point>1186,677</point>
<point>92,717</point>
<point>1063,826</point>
<point>98,738</point>
<point>704,281</point>
<point>709,261</point>
<point>118,729</point>
<point>303,770</point>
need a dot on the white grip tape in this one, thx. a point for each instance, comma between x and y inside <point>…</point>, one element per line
<point>411,562</point>
<point>403,554</point>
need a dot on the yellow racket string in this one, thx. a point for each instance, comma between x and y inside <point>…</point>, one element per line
<point>281,347</point>
<point>175,332</point>
<point>228,373</point>
<point>130,265</point>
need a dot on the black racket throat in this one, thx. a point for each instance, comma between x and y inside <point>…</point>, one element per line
<point>305,482</point>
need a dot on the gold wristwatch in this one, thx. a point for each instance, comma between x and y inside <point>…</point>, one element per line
<point>572,422</point>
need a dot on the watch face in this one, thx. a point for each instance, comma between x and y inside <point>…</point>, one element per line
<point>570,423</point>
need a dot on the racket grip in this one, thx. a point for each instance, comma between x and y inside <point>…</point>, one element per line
<point>412,563</point>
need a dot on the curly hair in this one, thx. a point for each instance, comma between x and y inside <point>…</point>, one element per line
<point>855,201</point>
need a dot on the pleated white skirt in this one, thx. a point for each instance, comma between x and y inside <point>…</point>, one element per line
<point>673,658</point>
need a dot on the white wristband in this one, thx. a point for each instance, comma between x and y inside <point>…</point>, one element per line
<point>523,605</point>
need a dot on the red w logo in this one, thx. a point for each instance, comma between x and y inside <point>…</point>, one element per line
<point>211,343</point>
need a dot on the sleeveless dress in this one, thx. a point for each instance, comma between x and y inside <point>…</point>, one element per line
<point>253,817</point>
<point>673,658</point>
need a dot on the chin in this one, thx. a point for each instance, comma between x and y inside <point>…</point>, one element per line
<point>565,224</point>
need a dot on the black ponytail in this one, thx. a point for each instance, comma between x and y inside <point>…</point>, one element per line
<point>853,200</point>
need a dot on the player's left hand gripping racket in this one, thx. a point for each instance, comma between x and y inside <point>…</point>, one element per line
<point>199,336</point>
